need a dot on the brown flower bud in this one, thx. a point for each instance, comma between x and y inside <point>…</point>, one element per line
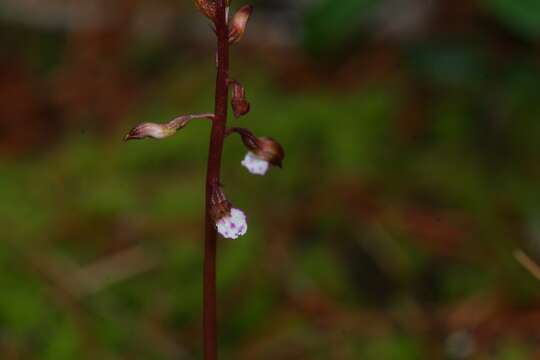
<point>239,103</point>
<point>264,148</point>
<point>207,7</point>
<point>239,23</point>
<point>240,107</point>
<point>150,130</point>
<point>161,131</point>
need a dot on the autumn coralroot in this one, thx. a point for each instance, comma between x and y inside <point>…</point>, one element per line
<point>263,152</point>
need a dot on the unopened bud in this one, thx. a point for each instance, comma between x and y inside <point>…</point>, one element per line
<point>239,103</point>
<point>239,23</point>
<point>150,130</point>
<point>161,131</point>
<point>207,7</point>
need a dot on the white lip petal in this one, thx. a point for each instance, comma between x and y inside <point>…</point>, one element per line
<point>233,225</point>
<point>255,164</point>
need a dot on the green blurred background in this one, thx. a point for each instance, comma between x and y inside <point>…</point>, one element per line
<point>412,136</point>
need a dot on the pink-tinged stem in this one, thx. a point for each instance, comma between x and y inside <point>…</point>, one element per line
<point>217,136</point>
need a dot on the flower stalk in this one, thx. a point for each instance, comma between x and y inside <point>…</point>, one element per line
<point>220,216</point>
<point>217,137</point>
<point>262,151</point>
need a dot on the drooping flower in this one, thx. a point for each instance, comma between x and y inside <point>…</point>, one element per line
<point>262,152</point>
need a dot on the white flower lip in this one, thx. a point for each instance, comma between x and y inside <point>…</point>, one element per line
<point>233,225</point>
<point>255,164</point>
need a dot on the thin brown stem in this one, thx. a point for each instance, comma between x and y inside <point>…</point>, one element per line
<point>208,116</point>
<point>181,121</point>
<point>213,177</point>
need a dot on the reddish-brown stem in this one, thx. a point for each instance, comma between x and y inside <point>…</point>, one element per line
<point>219,125</point>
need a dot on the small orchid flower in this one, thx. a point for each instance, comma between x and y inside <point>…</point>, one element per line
<point>262,152</point>
<point>231,223</point>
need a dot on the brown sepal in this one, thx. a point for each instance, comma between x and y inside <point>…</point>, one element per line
<point>239,103</point>
<point>220,206</point>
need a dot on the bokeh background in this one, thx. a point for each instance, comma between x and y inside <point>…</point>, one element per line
<point>411,181</point>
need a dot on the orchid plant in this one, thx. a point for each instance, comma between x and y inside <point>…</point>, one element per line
<point>263,152</point>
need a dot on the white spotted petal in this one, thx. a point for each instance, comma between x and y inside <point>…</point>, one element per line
<point>233,225</point>
<point>255,164</point>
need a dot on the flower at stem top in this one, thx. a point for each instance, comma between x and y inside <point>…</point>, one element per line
<point>262,152</point>
<point>209,8</point>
